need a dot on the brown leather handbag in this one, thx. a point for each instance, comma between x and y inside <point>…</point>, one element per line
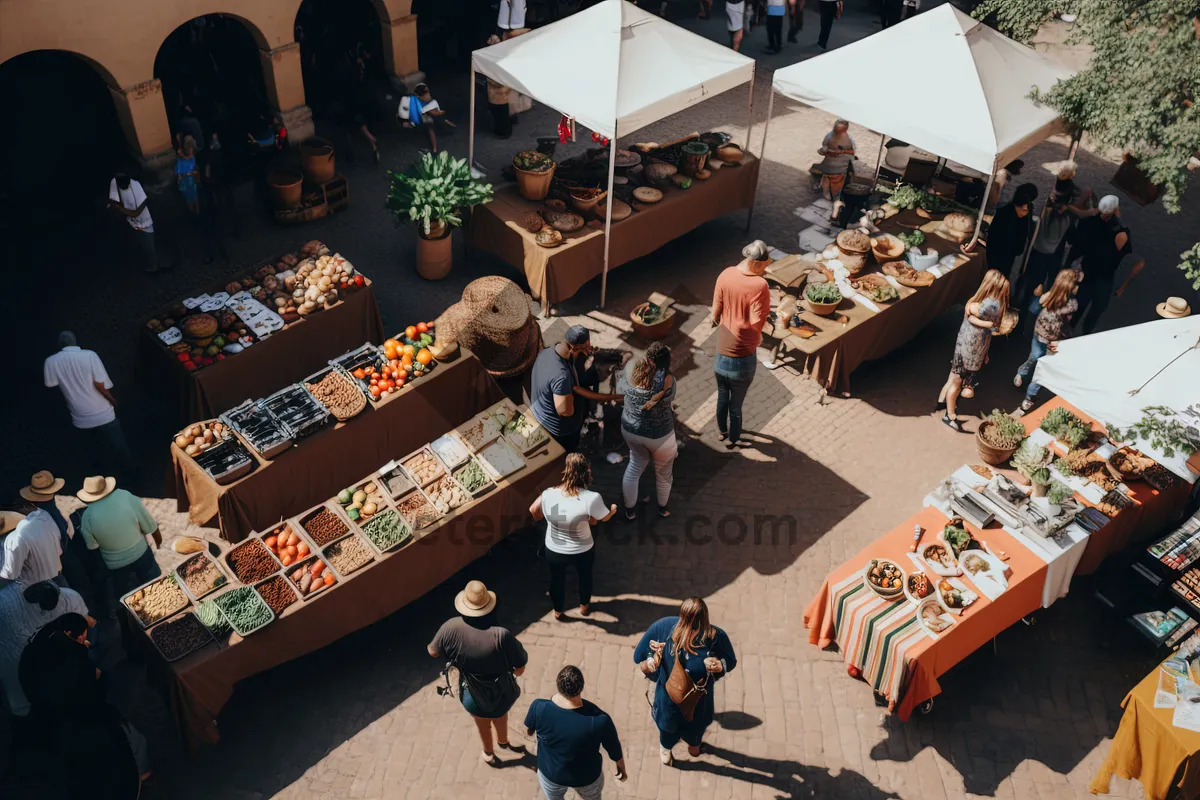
<point>683,691</point>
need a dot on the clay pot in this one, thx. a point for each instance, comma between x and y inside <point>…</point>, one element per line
<point>695,156</point>
<point>316,157</point>
<point>989,453</point>
<point>534,185</point>
<point>286,185</point>
<point>655,330</point>
<point>435,254</point>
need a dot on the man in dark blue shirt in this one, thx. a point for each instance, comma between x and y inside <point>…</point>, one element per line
<point>556,386</point>
<point>570,732</point>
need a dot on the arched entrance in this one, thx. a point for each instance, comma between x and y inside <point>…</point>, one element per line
<point>63,141</point>
<point>341,50</point>
<point>212,64</point>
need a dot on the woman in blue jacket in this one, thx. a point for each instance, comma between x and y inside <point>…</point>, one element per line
<point>707,656</point>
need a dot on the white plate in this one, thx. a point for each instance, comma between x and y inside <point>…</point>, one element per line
<point>939,569</point>
<point>945,617</point>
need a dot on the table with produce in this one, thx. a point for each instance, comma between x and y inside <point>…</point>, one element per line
<point>261,460</point>
<point>265,326</point>
<point>375,543</point>
<point>550,224</point>
<point>921,598</point>
<point>871,291</point>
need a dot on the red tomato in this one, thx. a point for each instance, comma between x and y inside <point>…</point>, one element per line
<point>375,391</point>
<point>401,374</point>
<point>360,374</point>
<point>422,327</point>
<point>411,332</point>
<point>399,383</point>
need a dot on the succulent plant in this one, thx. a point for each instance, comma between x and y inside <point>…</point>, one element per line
<point>1005,432</point>
<point>1040,476</point>
<point>1030,456</point>
<point>1066,427</point>
<point>823,293</point>
<point>533,161</point>
<point>1058,492</point>
<point>1063,467</point>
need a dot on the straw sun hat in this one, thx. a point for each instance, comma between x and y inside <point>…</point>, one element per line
<point>9,521</point>
<point>1173,308</point>
<point>42,487</point>
<point>475,600</point>
<point>96,488</point>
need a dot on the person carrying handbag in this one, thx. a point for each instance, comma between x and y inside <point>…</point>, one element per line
<point>488,659</point>
<point>685,656</point>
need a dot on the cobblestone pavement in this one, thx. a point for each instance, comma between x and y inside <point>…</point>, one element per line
<point>1028,717</point>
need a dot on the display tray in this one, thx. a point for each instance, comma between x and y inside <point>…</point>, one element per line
<point>500,460</point>
<point>227,461</point>
<point>225,601</point>
<point>295,406</point>
<point>417,510</point>
<point>525,433</point>
<point>374,532</point>
<point>480,488</point>
<point>452,452</point>
<point>354,501</point>
<point>352,403</point>
<point>368,355</point>
<point>423,466</point>
<point>478,432</point>
<point>175,606</point>
<point>216,565</point>
<point>323,531</point>
<point>261,429</point>
<point>185,624</point>
<point>304,566</point>
<point>332,555</point>
<point>251,542</point>
<point>397,482</point>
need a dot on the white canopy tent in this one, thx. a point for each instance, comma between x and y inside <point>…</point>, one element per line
<point>614,68</point>
<point>981,79</point>
<point>1112,376</point>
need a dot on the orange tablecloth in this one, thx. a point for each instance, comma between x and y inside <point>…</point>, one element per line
<point>1148,748</point>
<point>926,659</point>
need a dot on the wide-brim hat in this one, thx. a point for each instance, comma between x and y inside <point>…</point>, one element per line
<point>96,488</point>
<point>475,600</point>
<point>9,520</point>
<point>42,487</point>
<point>1173,308</point>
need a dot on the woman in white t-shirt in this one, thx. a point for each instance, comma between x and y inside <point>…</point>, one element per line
<point>570,510</point>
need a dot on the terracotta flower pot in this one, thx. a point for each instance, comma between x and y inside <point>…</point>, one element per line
<point>1193,462</point>
<point>534,185</point>
<point>990,453</point>
<point>286,186</point>
<point>317,159</point>
<point>435,255</point>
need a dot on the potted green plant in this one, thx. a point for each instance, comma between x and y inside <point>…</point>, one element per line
<point>434,193</point>
<point>1056,494</point>
<point>823,298</point>
<point>998,437</point>
<point>1029,457</point>
<point>1040,478</point>
<point>1066,427</point>
<point>534,172</point>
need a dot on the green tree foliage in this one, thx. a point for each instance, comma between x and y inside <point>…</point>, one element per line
<point>1139,91</point>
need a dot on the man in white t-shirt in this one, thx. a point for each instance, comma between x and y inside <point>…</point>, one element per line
<point>86,387</point>
<point>129,199</point>
<point>30,551</point>
<point>511,16</point>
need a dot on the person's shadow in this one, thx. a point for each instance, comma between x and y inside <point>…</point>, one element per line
<point>791,779</point>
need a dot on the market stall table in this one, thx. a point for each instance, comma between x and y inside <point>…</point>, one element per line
<point>336,455</point>
<point>838,349</point>
<point>555,274</point>
<point>200,684</point>
<point>1150,749</point>
<point>286,356</point>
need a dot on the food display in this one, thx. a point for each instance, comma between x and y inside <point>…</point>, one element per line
<point>548,237</point>
<point>177,637</point>
<point>297,409</point>
<point>1066,427</point>
<point>500,460</point>
<point>310,577</point>
<point>1114,503</point>
<point>875,288</point>
<point>338,394</point>
<point>156,600</point>
<point>446,494</point>
<point>258,426</point>
<point>918,586</point>
<point>1086,464</point>
<point>932,617</point>
<point>349,554</point>
<point>386,530</point>
<point>285,544</point>
<point>201,436</point>
<point>957,537</point>
<point>450,450</point>
<point>375,376</point>
<point>473,478</point>
<point>226,460</point>
<point>251,561</point>
<point>363,501</point>
<point>408,353</point>
<point>276,593</point>
<point>208,613</point>
<point>1159,477</point>
<point>417,510</point>
<point>424,467</point>
<point>525,433</point>
<point>479,432</point>
<point>953,597</point>
<point>397,482</point>
<point>885,577</point>
<point>323,526</point>
<point>905,275</point>
<point>245,609</point>
<point>200,575</point>
<point>939,560</point>
<point>1129,464</point>
<point>318,282</point>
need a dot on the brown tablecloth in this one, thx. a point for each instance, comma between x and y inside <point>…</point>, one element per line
<point>329,459</point>
<point>835,352</point>
<point>555,274</point>
<point>201,684</point>
<point>295,352</point>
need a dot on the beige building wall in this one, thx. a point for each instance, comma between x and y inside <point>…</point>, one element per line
<point>120,39</point>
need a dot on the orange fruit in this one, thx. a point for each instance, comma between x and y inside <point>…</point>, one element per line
<point>409,350</point>
<point>391,343</point>
<point>411,332</point>
<point>424,357</point>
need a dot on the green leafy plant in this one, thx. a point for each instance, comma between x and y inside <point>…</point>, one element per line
<point>1004,432</point>
<point>1058,492</point>
<point>1062,466</point>
<point>1162,430</point>
<point>823,293</point>
<point>1066,427</point>
<point>906,197</point>
<point>533,161</point>
<point>912,238</point>
<point>1136,94</point>
<point>435,190</point>
<point>1029,457</point>
<point>1040,476</point>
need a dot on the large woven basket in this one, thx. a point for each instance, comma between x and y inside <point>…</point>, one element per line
<point>493,321</point>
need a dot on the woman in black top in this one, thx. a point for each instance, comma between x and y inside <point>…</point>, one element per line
<point>1009,233</point>
<point>488,659</point>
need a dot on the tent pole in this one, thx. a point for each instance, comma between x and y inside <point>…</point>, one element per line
<point>979,220</point>
<point>750,124</point>
<point>471,124</point>
<point>878,161</point>
<point>612,168</point>
<point>762,154</point>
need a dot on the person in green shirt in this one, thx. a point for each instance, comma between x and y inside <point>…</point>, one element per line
<point>116,523</point>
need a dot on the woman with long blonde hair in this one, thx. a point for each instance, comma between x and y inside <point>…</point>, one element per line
<point>981,320</point>
<point>570,510</point>
<point>705,654</point>
<point>1058,305</point>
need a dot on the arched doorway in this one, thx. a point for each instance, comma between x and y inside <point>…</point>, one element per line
<point>63,141</point>
<point>341,48</point>
<point>212,64</point>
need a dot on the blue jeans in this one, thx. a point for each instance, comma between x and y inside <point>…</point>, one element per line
<point>556,791</point>
<point>734,376</point>
<point>131,576</point>
<point>1036,350</point>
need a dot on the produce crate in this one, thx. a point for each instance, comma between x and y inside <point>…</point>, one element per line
<point>484,488</point>
<point>534,438</point>
<point>247,542</point>
<point>178,572</point>
<point>300,525</point>
<point>406,533</point>
<point>259,427</point>
<point>299,411</point>
<point>306,565</point>
<point>368,355</point>
<point>451,486</point>
<point>321,373</point>
<point>292,527</point>
<point>170,576</point>
<point>430,477</point>
<point>203,635</point>
<point>396,481</point>
<point>450,449</point>
<point>478,432</point>
<point>227,461</point>
<point>352,536</point>
<point>286,584</point>
<point>225,598</point>
<point>500,459</point>
<point>380,497</point>
<point>418,524</point>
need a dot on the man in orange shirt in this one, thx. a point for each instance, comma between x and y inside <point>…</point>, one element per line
<point>741,303</point>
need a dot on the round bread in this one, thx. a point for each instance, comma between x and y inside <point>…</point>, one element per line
<point>659,173</point>
<point>556,205</point>
<point>628,158</point>
<point>621,210</point>
<point>959,222</point>
<point>563,221</point>
<point>548,237</point>
<point>647,194</point>
<point>532,222</point>
<point>199,326</point>
<point>853,241</point>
